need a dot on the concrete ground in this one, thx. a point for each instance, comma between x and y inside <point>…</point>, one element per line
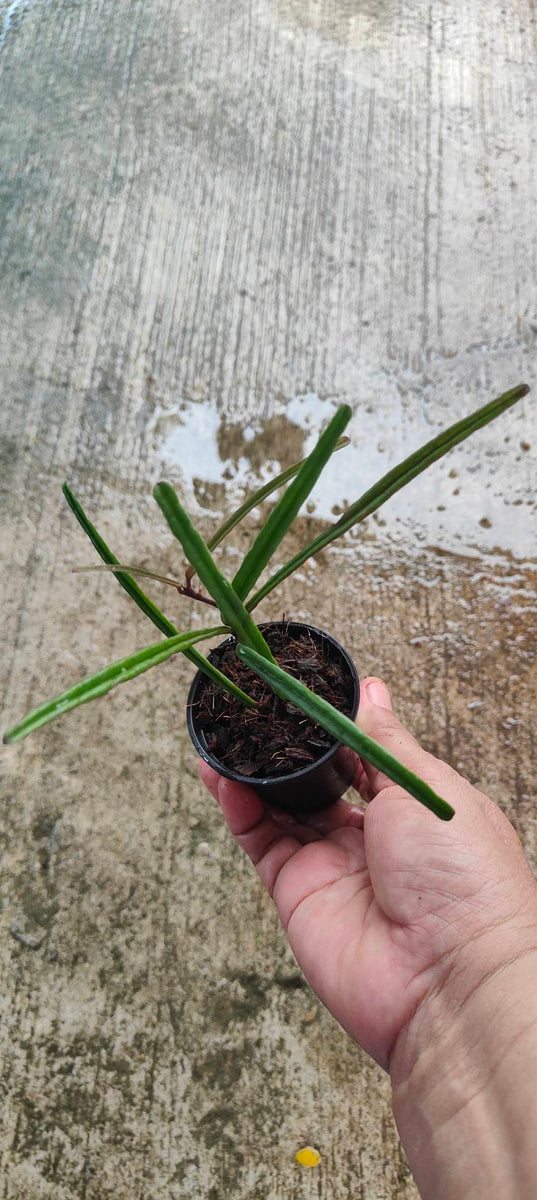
<point>217,221</point>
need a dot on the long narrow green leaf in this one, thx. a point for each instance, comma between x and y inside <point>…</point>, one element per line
<point>395,479</point>
<point>232,609</point>
<point>344,730</point>
<point>145,604</point>
<point>256,498</point>
<point>103,681</point>
<point>285,511</point>
<point>126,581</point>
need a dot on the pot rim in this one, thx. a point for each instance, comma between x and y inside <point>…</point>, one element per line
<point>263,781</point>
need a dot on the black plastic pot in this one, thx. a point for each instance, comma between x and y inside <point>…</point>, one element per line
<point>313,787</point>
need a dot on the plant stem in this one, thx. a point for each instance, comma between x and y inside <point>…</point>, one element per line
<point>179,587</point>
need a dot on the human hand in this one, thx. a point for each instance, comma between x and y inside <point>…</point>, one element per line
<point>379,907</point>
<point>410,930</point>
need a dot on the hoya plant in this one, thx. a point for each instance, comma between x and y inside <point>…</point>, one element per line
<point>252,664</point>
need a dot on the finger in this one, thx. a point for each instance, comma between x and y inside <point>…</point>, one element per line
<point>341,815</point>
<point>377,692</point>
<point>379,722</point>
<point>361,783</point>
<point>338,858</point>
<point>209,777</point>
<point>372,691</point>
<point>295,824</point>
<point>264,841</point>
<point>288,823</point>
<point>306,827</point>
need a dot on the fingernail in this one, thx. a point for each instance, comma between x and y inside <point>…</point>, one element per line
<point>378,693</point>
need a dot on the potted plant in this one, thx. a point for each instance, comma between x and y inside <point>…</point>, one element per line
<point>273,704</point>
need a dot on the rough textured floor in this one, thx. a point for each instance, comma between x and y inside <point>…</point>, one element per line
<point>218,220</point>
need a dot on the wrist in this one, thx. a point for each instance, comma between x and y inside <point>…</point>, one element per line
<point>464,1075</point>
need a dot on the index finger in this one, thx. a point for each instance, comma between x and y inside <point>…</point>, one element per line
<point>267,844</point>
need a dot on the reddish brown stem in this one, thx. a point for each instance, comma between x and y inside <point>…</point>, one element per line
<point>192,595</point>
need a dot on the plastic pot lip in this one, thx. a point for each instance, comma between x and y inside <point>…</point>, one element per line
<point>260,782</point>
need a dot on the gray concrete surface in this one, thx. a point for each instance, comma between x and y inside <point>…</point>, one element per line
<point>217,221</point>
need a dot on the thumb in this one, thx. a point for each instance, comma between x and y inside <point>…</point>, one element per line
<point>479,849</point>
<point>377,718</point>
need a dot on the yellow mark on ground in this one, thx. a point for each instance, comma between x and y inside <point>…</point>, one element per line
<point>308,1157</point>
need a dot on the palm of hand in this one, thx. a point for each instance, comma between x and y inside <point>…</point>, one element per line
<point>372,921</point>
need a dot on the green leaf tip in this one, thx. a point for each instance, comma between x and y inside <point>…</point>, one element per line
<point>256,498</point>
<point>344,730</point>
<point>287,508</point>
<point>103,681</point>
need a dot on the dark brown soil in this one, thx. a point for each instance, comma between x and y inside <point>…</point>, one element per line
<point>275,738</point>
